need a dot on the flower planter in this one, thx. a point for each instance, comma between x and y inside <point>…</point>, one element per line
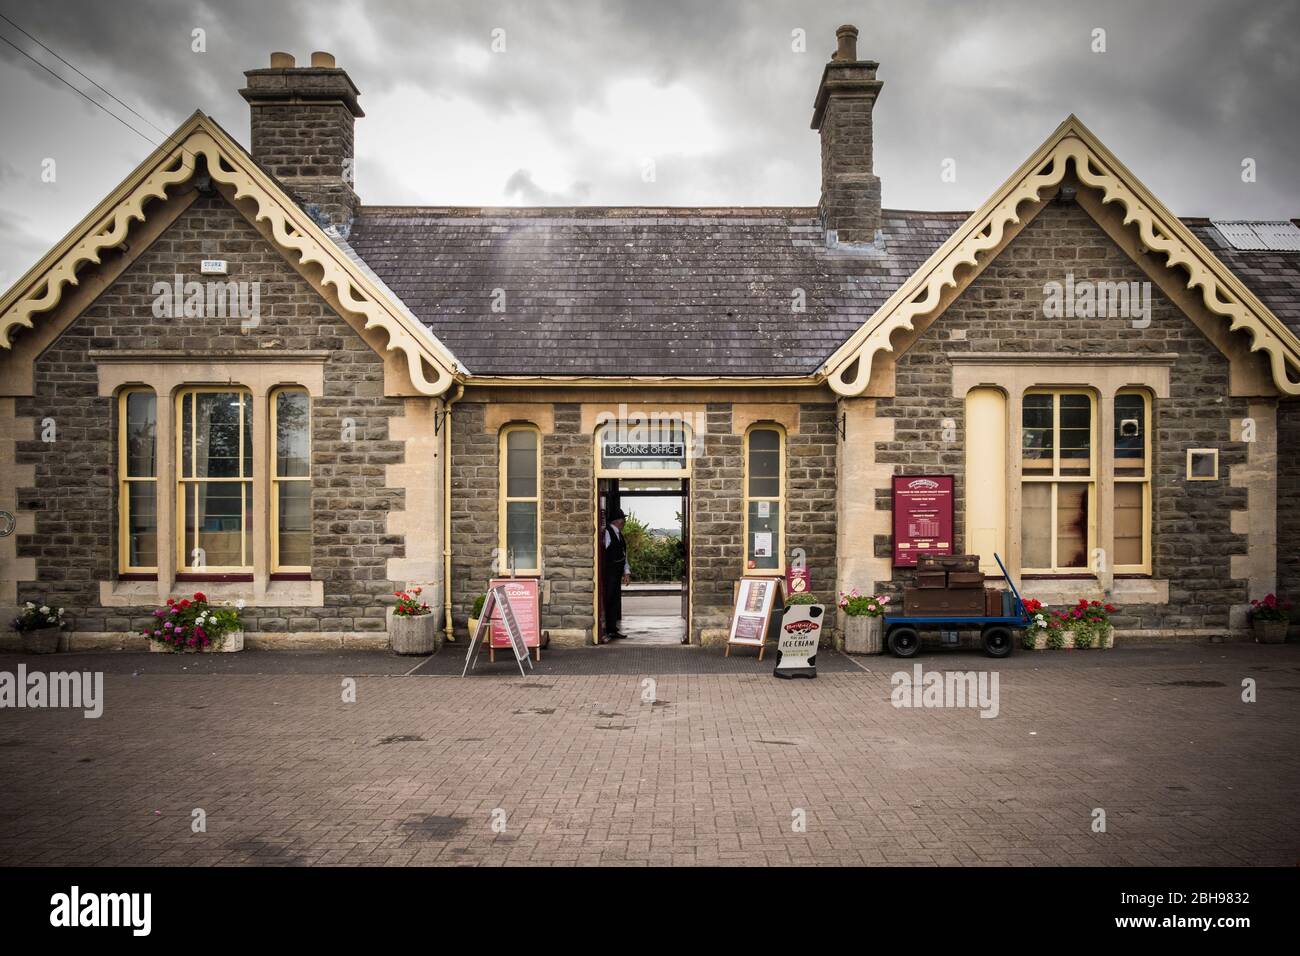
<point>863,634</point>
<point>232,642</point>
<point>414,633</point>
<point>1040,640</point>
<point>43,640</point>
<point>1270,632</point>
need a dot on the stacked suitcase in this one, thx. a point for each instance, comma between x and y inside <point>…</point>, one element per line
<point>950,585</point>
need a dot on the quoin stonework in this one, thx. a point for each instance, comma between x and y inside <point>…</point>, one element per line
<point>432,396</point>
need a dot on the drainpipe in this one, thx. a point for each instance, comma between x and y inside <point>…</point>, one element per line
<point>446,509</point>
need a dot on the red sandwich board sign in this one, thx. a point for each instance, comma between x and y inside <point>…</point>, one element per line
<point>498,598</point>
<point>922,517</point>
<point>525,601</point>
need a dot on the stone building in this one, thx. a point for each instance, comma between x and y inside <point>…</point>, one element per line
<point>235,375</point>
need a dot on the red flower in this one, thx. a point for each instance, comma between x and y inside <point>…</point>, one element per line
<point>200,596</point>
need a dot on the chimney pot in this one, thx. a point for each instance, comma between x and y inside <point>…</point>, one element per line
<point>282,61</point>
<point>847,45</point>
<point>322,59</point>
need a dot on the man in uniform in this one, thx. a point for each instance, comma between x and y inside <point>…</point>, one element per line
<point>617,572</point>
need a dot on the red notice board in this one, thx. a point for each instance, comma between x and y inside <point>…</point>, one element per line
<point>525,595</point>
<point>922,517</point>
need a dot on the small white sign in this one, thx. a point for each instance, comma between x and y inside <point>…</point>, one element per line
<point>764,509</point>
<point>762,544</point>
<point>212,267</point>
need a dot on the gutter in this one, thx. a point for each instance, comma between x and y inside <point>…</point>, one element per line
<point>446,511</point>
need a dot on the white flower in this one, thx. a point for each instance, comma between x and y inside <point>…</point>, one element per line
<point>240,604</point>
<point>45,609</point>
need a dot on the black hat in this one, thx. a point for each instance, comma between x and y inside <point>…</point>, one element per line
<point>616,515</point>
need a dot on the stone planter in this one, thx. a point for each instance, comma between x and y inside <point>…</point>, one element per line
<point>1040,640</point>
<point>44,640</point>
<point>1270,632</point>
<point>416,634</point>
<point>863,635</point>
<point>232,642</point>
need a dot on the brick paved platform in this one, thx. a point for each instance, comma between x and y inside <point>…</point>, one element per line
<point>711,772</point>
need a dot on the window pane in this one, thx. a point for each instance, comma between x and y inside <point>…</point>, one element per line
<point>1130,435</point>
<point>247,403</point>
<point>1128,523</point>
<point>142,524</point>
<point>1076,435</point>
<point>295,523</point>
<point>1072,524</point>
<point>187,436</point>
<point>521,464</point>
<point>220,518</point>
<point>521,533</point>
<point>216,436</point>
<point>141,431</point>
<point>763,547</point>
<point>292,435</point>
<point>1036,434</point>
<point>764,463</point>
<point>1036,525</point>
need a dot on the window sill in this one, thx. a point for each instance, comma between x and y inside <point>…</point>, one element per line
<point>1068,590</point>
<point>253,593</point>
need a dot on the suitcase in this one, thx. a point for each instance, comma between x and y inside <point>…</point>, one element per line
<point>932,602</point>
<point>947,562</point>
<point>993,602</point>
<point>965,579</point>
<point>931,579</point>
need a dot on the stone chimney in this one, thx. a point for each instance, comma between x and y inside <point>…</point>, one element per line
<point>850,202</point>
<point>302,133</point>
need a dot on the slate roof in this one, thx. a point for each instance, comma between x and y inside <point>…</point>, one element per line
<point>636,291</point>
<point>622,291</point>
<point>1273,276</point>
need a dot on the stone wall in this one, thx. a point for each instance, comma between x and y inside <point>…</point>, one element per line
<point>74,494</point>
<point>1288,501</point>
<point>1001,311</point>
<point>568,503</point>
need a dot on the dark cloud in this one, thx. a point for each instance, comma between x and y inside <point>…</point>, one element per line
<point>1199,82</point>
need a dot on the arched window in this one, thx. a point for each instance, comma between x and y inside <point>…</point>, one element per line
<point>765,499</point>
<point>214,484</point>
<point>519,518</point>
<point>1058,481</point>
<point>1132,481</point>
<point>291,517</point>
<point>137,481</point>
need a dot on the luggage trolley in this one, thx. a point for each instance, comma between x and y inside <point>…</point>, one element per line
<point>903,632</point>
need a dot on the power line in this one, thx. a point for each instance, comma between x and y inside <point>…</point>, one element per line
<point>73,67</point>
<point>79,91</point>
<point>84,95</point>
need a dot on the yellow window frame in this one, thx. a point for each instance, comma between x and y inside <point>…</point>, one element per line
<point>1144,480</point>
<point>505,499</point>
<point>277,479</point>
<point>125,479</point>
<point>1055,479</point>
<point>245,546</point>
<point>780,499</point>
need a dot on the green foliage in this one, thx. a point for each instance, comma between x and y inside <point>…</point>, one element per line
<point>477,607</point>
<point>652,558</point>
<point>802,598</point>
<point>1056,638</point>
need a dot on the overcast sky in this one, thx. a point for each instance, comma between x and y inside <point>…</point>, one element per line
<point>718,94</point>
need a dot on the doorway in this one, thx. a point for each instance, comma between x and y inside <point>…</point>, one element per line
<point>655,603</point>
